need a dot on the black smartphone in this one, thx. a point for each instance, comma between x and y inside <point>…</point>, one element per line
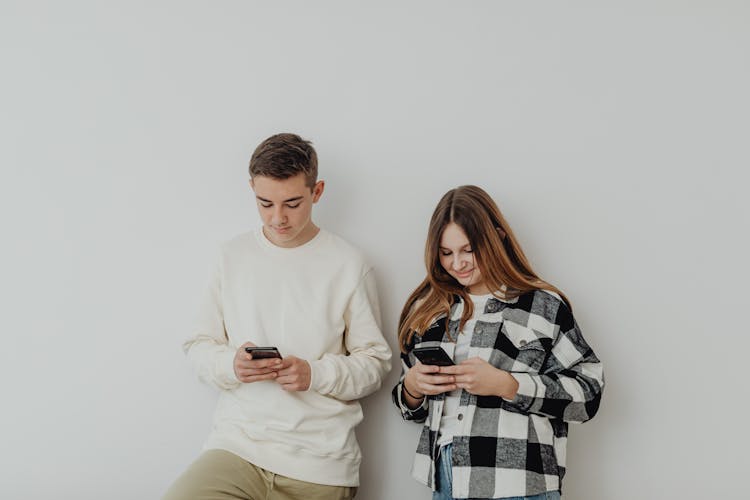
<point>263,352</point>
<point>432,355</point>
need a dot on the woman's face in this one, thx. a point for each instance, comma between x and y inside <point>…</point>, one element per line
<point>457,258</point>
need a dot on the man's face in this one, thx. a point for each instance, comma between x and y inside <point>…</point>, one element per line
<point>285,206</point>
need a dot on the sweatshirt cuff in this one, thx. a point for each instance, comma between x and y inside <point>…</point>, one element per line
<point>322,376</point>
<point>225,367</point>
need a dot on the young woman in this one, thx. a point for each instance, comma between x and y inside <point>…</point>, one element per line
<point>496,421</point>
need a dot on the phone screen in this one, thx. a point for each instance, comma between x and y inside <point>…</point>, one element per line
<point>432,355</point>
<point>263,352</point>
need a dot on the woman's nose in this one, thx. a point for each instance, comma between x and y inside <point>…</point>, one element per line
<point>458,263</point>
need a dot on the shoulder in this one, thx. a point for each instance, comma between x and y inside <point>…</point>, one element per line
<point>241,250</point>
<point>345,252</point>
<point>242,239</point>
<point>542,309</point>
<point>240,243</point>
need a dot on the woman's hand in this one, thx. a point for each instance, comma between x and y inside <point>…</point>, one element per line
<point>424,380</point>
<point>480,378</point>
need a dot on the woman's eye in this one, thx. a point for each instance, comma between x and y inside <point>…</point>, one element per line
<point>445,254</point>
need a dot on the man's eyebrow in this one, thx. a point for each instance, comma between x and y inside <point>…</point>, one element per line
<point>296,198</point>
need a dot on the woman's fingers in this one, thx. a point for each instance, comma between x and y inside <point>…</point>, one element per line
<point>435,384</point>
<point>437,379</point>
<point>436,389</point>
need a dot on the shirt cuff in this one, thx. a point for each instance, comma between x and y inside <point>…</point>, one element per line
<point>527,390</point>
<point>402,402</point>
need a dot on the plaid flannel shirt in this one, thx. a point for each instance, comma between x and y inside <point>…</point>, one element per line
<point>516,447</point>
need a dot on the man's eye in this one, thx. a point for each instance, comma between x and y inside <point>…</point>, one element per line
<point>295,205</point>
<point>266,205</point>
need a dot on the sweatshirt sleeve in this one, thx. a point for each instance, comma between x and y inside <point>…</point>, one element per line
<point>569,386</point>
<point>208,349</point>
<point>361,371</point>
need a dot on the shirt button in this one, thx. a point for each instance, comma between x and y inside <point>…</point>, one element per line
<point>460,416</point>
<point>522,342</point>
<point>479,329</point>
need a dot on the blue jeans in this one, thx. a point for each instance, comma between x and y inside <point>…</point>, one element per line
<point>445,480</point>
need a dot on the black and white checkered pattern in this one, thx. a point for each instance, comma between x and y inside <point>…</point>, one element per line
<point>516,447</point>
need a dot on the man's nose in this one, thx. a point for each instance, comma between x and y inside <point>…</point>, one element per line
<point>279,217</point>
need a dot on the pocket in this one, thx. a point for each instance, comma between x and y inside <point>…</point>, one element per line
<point>530,351</point>
<point>530,357</point>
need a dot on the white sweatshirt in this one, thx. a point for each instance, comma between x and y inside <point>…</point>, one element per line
<point>318,302</point>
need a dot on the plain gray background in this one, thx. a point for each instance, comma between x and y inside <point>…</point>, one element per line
<point>614,138</point>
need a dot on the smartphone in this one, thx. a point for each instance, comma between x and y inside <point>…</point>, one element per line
<point>432,355</point>
<point>263,352</point>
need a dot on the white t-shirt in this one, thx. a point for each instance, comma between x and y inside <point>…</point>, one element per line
<point>449,420</point>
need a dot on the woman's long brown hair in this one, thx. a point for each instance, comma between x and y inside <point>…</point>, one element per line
<point>497,253</point>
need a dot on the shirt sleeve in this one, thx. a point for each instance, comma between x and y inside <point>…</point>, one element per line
<point>208,349</point>
<point>360,372</point>
<point>569,386</point>
<point>418,414</point>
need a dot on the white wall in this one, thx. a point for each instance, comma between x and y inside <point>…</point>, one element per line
<point>613,138</point>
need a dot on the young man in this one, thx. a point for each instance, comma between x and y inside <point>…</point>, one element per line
<point>284,428</point>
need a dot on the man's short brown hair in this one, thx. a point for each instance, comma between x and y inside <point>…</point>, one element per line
<point>282,156</point>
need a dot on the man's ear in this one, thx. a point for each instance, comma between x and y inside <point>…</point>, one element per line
<point>252,184</point>
<point>317,190</point>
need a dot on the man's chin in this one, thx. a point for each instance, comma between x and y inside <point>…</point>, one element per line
<point>280,238</point>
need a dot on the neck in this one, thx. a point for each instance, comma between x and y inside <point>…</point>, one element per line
<point>478,289</point>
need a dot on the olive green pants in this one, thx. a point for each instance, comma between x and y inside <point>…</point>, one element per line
<point>219,475</point>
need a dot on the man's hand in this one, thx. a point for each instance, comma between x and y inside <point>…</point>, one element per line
<point>479,377</point>
<point>247,369</point>
<point>294,374</point>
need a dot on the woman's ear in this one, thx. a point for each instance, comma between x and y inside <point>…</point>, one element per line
<point>501,233</point>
